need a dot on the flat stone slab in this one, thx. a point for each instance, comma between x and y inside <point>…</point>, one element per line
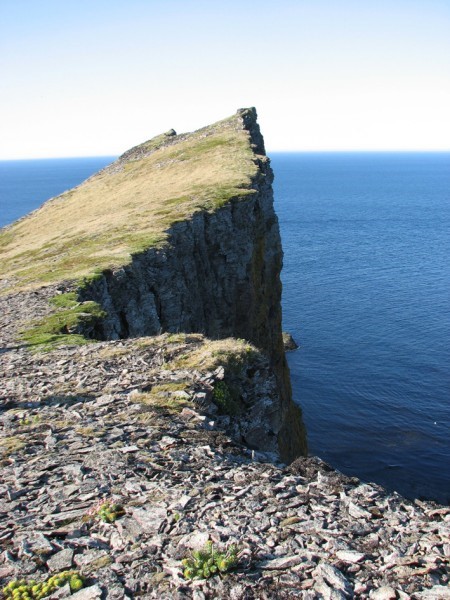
<point>90,593</point>
<point>286,562</point>
<point>61,560</point>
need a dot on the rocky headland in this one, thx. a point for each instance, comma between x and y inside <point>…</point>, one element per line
<point>145,403</point>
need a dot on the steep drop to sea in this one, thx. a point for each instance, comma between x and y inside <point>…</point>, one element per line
<point>365,292</point>
<point>178,235</point>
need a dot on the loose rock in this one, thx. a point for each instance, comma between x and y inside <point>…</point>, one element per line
<point>71,439</point>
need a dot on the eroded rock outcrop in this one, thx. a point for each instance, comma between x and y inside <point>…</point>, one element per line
<point>214,269</point>
<point>219,275</point>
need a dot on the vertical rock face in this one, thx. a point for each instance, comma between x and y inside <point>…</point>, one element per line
<point>218,274</point>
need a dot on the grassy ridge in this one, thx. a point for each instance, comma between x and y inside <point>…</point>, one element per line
<point>128,207</point>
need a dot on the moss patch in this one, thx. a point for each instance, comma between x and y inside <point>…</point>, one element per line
<point>226,399</point>
<point>170,387</point>
<point>89,432</point>
<point>11,444</point>
<point>231,353</point>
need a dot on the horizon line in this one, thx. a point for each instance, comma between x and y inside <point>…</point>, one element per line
<point>321,151</point>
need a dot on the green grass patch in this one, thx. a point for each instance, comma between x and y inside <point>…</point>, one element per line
<point>160,400</point>
<point>170,387</point>
<point>87,280</point>
<point>6,237</point>
<point>65,325</point>
<point>67,300</point>
<point>149,146</point>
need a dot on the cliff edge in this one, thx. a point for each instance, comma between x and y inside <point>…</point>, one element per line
<point>178,235</point>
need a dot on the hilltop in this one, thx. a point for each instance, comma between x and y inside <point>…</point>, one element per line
<point>127,207</point>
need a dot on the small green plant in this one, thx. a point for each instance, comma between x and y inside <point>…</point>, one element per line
<point>26,422</point>
<point>21,589</point>
<point>109,512</point>
<point>224,400</point>
<point>209,561</point>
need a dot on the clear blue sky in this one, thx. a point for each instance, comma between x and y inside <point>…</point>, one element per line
<point>95,77</point>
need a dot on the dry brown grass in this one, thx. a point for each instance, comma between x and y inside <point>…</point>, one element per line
<point>118,212</point>
<point>159,401</point>
<point>212,353</point>
<point>11,444</point>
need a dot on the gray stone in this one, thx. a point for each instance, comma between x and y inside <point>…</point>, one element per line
<point>151,518</point>
<point>62,592</point>
<point>90,593</point>
<point>437,592</point>
<point>61,560</point>
<point>38,543</point>
<point>350,556</point>
<point>129,529</point>
<point>198,540</point>
<point>357,512</point>
<point>384,593</point>
<point>64,517</point>
<point>286,562</point>
<point>92,558</point>
<point>289,343</point>
<point>335,578</point>
<point>128,449</point>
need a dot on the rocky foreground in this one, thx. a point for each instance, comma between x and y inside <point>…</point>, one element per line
<point>123,422</point>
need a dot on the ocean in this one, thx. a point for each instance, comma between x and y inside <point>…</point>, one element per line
<point>26,184</point>
<point>366,284</point>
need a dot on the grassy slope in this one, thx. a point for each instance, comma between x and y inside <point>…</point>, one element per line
<point>128,207</point>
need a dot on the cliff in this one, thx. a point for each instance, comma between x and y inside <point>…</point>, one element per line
<point>178,235</point>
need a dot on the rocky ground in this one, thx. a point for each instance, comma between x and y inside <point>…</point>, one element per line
<point>122,422</point>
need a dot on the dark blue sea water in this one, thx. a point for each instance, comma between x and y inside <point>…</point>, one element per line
<point>25,184</point>
<point>366,293</point>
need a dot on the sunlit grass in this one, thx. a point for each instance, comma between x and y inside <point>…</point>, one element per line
<point>125,210</point>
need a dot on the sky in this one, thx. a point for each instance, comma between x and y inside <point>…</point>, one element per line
<point>96,77</point>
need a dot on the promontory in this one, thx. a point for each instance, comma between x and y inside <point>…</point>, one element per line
<point>149,443</point>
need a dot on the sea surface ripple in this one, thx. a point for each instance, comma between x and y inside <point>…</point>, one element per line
<point>366,284</point>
